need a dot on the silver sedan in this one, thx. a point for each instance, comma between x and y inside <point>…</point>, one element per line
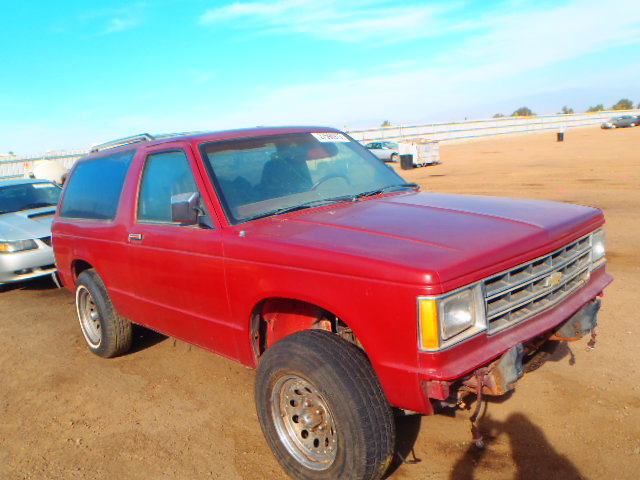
<point>27,208</point>
<point>385,151</point>
<point>620,122</point>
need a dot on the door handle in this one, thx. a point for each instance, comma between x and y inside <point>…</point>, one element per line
<point>135,236</point>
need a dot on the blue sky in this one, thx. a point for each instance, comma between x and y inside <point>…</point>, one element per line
<point>73,72</point>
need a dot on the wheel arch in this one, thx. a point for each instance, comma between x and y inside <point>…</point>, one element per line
<point>78,266</point>
<point>274,318</point>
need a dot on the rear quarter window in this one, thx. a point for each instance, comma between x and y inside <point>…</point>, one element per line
<point>93,190</point>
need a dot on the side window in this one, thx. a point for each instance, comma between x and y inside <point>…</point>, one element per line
<point>93,190</point>
<point>165,174</point>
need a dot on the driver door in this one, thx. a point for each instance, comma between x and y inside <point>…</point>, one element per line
<point>178,269</point>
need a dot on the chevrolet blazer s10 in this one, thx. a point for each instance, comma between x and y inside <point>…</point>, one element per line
<point>295,250</point>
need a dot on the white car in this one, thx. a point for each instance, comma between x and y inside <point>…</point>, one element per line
<point>385,151</point>
<point>27,208</point>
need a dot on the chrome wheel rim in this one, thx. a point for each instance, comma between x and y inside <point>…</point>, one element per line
<point>304,422</point>
<point>89,316</point>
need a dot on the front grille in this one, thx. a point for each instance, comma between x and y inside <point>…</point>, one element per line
<point>523,291</point>
<point>46,241</point>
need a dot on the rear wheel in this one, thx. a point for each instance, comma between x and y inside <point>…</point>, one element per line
<point>322,408</point>
<point>395,157</point>
<point>107,334</point>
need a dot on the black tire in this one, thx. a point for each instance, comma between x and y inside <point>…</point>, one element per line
<point>395,158</point>
<point>322,409</point>
<point>107,334</point>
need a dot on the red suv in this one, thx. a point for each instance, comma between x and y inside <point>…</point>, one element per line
<point>296,251</point>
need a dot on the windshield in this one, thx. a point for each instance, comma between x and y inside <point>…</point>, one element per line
<point>25,196</point>
<point>261,176</point>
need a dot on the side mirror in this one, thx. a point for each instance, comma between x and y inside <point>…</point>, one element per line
<point>185,208</point>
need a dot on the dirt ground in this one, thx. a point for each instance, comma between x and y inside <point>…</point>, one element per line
<point>171,411</point>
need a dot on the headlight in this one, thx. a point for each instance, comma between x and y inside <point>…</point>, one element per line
<point>598,246</point>
<point>17,246</point>
<point>450,318</point>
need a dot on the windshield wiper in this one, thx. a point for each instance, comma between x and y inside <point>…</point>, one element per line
<point>312,203</point>
<point>388,188</point>
<point>327,201</point>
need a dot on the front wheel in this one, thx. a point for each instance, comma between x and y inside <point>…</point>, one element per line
<point>322,409</point>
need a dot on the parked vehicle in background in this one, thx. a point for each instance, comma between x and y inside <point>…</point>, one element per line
<point>421,152</point>
<point>296,251</point>
<point>27,208</point>
<point>622,121</point>
<point>385,151</point>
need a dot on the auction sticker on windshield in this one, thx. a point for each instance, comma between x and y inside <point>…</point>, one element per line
<point>330,137</point>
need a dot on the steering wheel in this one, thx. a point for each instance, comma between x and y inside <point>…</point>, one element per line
<point>329,177</point>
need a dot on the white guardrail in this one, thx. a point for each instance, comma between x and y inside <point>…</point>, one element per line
<point>21,166</point>
<point>494,126</point>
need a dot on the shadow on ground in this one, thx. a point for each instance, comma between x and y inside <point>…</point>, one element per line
<point>40,283</point>
<point>531,454</point>
<point>407,430</point>
<point>144,338</point>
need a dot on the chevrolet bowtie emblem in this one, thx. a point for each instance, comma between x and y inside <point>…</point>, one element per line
<point>554,279</point>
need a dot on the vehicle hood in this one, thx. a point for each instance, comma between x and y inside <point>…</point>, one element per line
<point>425,238</point>
<point>25,224</point>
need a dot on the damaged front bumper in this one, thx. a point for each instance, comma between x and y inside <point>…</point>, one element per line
<point>580,324</point>
<point>501,375</point>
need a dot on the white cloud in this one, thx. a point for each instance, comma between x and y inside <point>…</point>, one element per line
<point>524,40</point>
<point>118,24</point>
<point>116,19</point>
<point>355,21</point>
<point>239,9</point>
<point>499,57</point>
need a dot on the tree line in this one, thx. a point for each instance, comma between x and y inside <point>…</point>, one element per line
<point>623,104</point>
